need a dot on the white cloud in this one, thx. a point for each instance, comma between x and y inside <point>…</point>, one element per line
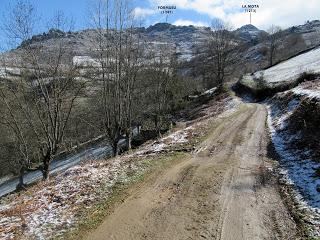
<point>143,12</point>
<point>284,13</point>
<point>184,22</point>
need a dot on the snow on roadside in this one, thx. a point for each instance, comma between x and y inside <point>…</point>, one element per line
<point>49,209</point>
<point>182,136</point>
<point>309,89</point>
<point>233,105</point>
<point>296,165</point>
<point>178,137</point>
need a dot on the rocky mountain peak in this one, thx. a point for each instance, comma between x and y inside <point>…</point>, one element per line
<point>51,34</point>
<point>159,27</point>
<point>249,33</point>
<point>248,27</point>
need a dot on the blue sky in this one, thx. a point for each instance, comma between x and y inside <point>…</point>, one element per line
<point>78,9</point>
<point>46,8</point>
<point>198,12</point>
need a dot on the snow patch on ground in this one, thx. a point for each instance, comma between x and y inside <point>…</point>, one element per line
<point>310,93</point>
<point>207,93</point>
<point>233,104</point>
<point>48,208</point>
<point>178,137</point>
<point>6,72</point>
<point>85,61</point>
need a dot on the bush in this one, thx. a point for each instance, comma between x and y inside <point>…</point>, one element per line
<point>307,76</point>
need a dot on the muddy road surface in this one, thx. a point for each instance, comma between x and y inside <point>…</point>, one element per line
<point>220,191</point>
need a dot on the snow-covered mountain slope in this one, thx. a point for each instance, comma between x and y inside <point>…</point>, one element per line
<point>287,72</point>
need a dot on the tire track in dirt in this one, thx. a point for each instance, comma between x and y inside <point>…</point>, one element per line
<point>213,193</point>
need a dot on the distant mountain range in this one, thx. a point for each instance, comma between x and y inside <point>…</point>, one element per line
<point>185,39</point>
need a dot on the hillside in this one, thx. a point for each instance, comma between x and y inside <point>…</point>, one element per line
<point>284,74</point>
<point>294,40</point>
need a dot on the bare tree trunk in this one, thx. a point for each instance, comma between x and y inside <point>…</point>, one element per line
<point>271,56</point>
<point>274,41</point>
<point>157,125</point>
<point>46,165</point>
<point>115,148</point>
<point>21,185</point>
<point>129,140</point>
<point>171,126</point>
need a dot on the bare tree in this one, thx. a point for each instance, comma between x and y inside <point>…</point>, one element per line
<point>39,103</point>
<point>18,24</point>
<point>220,47</point>
<point>159,85</point>
<point>103,18</point>
<point>61,22</point>
<point>19,21</point>
<point>117,50</point>
<point>21,140</point>
<point>132,64</point>
<point>274,39</point>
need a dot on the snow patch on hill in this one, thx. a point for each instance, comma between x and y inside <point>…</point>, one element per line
<point>6,72</point>
<point>288,71</point>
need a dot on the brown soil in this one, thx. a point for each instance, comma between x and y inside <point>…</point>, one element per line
<point>220,191</point>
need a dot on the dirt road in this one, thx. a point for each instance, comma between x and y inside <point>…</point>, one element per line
<point>221,191</point>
